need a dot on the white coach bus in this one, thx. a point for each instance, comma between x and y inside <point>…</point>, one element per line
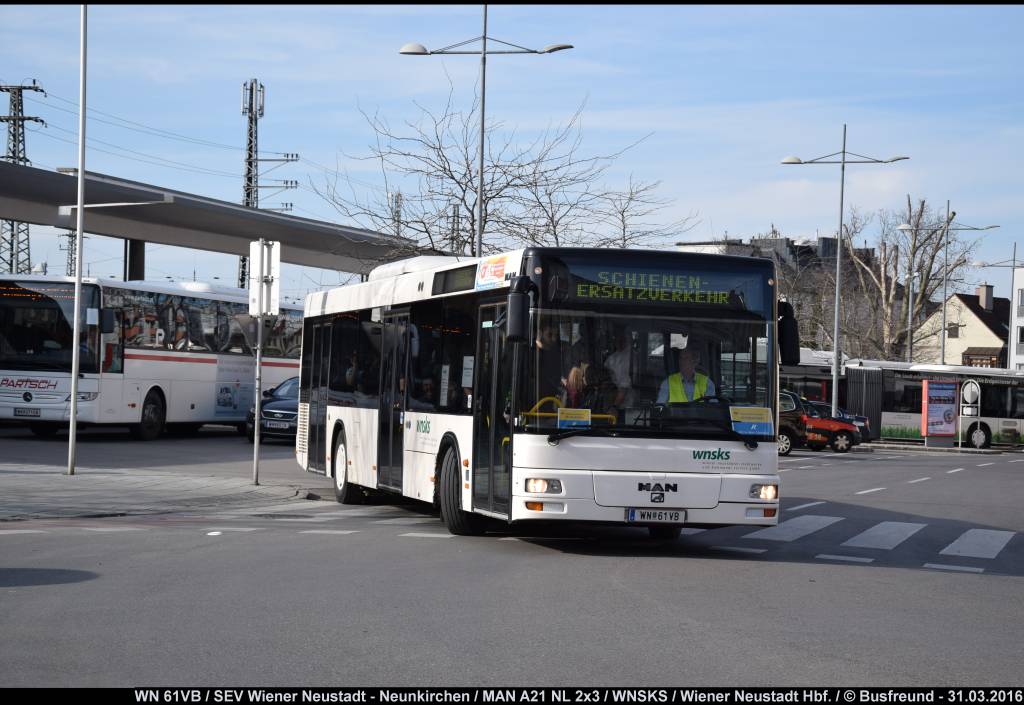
<point>624,386</point>
<point>152,354</point>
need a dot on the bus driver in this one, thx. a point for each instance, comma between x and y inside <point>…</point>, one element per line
<point>687,384</point>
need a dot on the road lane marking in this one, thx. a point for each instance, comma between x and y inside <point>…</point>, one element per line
<point>802,506</point>
<point>739,549</point>
<point>979,543</point>
<point>960,568</point>
<point>848,559</point>
<point>920,479</point>
<point>785,469</point>
<point>1017,461</point>
<point>805,467</point>
<point>113,529</point>
<point>876,489</point>
<point>795,528</point>
<point>407,520</point>
<point>982,465</point>
<point>220,529</point>
<point>21,531</point>
<point>338,532</point>
<point>886,535</point>
<point>428,536</point>
<point>950,472</point>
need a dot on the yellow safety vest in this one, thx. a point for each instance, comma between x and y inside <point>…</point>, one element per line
<point>676,391</point>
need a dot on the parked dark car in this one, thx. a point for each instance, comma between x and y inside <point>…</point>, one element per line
<point>801,425</point>
<point>824,409</point>
<point>279,411</point>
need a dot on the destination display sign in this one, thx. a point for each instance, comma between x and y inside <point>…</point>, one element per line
<point>606,284</point>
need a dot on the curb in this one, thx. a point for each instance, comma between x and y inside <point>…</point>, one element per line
<point>933,449</point>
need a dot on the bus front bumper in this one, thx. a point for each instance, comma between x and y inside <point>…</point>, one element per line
<point>709,500</point>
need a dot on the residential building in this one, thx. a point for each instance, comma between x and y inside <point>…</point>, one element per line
<point>977,331</point>
<point>1017,320</point>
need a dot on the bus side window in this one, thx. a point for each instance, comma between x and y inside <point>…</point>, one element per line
<point>113,347</point>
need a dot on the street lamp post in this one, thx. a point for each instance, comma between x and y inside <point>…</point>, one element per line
<point>946,227</point>
<point>1013,270</point>
<point>414,49</point>
<point>843,161</point>
<point>911,276</point>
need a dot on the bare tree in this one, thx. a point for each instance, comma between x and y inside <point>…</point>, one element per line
<point>626,217</point>
<point>539,191</point>
<point>902,254</point>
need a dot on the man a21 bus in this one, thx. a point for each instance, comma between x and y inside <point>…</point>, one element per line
<point>483,386</point>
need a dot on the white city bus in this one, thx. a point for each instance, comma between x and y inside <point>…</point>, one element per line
<point>531,385</point>
<point>152,354</point>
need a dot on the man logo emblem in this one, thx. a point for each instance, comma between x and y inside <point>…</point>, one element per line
<point>657,496</point>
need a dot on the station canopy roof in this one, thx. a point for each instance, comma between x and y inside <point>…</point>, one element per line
<point>168,217</point>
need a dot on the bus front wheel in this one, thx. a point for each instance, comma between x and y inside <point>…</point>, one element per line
<point>151,425</point>
<point>978,436</point>
<point>459,522</point>
<point>344,491</point>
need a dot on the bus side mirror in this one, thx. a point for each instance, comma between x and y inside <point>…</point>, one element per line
<point>517,320</point>
<point>789,335</point>
<point>107,321</point>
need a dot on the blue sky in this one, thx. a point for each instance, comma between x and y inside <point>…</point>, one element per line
<point>723,91</point>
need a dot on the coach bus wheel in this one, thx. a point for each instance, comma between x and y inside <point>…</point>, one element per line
<point>842,442</point>
<point>44,430</point>
<point>457,521</point>
<point>152,423</point>
<point>665,533</point>
<point>978,436</point>
<point>344,491</point>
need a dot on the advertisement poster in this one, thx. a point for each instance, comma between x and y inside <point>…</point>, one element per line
<point>938,408</point>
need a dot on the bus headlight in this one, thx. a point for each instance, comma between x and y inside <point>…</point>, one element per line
<point>539,485</point>
<point>84,396</point>
<point>770,492</point>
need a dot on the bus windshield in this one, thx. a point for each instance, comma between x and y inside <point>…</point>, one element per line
<point>36,328</point>
<point>650,350</point>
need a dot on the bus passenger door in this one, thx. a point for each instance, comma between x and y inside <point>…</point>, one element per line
<point>318,378</point>
<point>492,408</point>
<point>393,393</point>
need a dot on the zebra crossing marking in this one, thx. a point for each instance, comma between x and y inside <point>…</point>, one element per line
<point>960,568</point>
<point>795,528</point>
<point>848,559</point>
<point>886,536</point>
<point>979,543</point>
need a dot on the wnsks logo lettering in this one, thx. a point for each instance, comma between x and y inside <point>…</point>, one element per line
<point>718,454</point>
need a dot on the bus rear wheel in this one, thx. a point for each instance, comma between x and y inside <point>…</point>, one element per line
<point>153,415</point>
<point>456,520</point>
<point>344,491</point>
<point>978,436</point>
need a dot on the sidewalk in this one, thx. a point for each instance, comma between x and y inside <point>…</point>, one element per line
<point>115,477</point>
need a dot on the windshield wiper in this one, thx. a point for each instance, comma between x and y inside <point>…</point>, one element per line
<point>556,436</point>
<point>733,433</point>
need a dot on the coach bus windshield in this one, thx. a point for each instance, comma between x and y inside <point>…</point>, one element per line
<point>36,326</point>
<point>654,348</point>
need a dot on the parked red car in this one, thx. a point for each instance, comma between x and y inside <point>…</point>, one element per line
<point>801,425</point>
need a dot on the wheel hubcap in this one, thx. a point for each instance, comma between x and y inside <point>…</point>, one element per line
<point>784,443</point>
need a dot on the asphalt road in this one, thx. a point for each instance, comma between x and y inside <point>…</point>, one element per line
<point>887,569</point>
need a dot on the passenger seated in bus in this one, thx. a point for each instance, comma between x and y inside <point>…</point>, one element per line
<point>426,398</point>
<point>575,386</point>
<point>599,390</point>
<point>550,381</point>
<point>687,384</point>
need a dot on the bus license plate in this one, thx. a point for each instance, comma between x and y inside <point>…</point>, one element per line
<point>26,412</point>
<point>656,516</point>
<point>276,424</point>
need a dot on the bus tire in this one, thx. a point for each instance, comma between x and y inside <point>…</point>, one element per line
<point>344,491</point>
<point>154,413</point>
<point>44,430</point>
<point>665,533</point>
<point>978,436</point>
<point>457,521</point>
<point>842,442</point>
<point>785,442</point>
